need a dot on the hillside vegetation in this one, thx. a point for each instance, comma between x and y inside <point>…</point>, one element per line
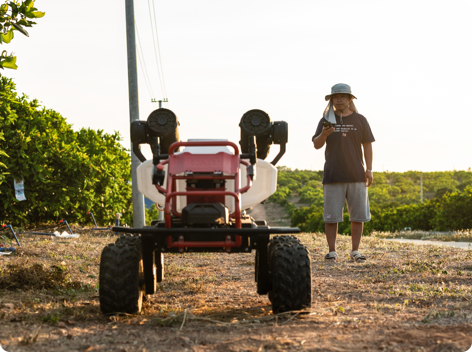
<point>395,200</point>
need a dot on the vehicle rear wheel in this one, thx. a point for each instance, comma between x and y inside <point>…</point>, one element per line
<point>121,280</point>
<point>290,275</point>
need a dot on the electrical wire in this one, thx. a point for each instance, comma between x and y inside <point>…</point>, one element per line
<point>144,69</point>
<point>157,49</point>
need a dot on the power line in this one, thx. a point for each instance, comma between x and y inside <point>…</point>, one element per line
<point>155,52</point>
<point>157,49</point>
<point>144,68</point>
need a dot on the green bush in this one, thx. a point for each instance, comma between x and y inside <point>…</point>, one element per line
<point>394,200</point>
<point>311,195</point>
<point>151,214</point>
<point>450,212</point>
<point>281,195</point>
<point>66,173</point>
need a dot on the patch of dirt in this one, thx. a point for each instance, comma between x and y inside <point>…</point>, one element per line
<point>404,298</point>
<point>275,214</point>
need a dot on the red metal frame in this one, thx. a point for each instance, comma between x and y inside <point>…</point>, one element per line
<point>193,164</point>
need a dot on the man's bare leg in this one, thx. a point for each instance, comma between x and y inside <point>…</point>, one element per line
<point>331,230</point>
<point>356,234</point>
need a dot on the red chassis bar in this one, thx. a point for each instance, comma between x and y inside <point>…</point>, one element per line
<point>192,164</point>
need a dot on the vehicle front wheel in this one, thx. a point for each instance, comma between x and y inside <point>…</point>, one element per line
<point>290,268</point>
<point>121,280</point>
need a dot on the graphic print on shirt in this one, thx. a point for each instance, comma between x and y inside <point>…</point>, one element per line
<point>344,129</point>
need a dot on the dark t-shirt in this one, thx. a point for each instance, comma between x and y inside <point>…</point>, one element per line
<point>344,159</point>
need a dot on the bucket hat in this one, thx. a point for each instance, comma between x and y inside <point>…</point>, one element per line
<point>340,88</point>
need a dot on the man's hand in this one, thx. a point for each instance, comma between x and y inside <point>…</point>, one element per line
<point>319,141</point>
<point>369,178</point>
<point>327,131</point>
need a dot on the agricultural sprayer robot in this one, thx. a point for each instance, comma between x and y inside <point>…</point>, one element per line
<point>205,189</point>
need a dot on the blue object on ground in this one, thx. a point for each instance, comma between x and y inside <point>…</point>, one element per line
<point>14,235</point>
<point>96,228</point>
<point>65,222</point>
<point>93,218</point>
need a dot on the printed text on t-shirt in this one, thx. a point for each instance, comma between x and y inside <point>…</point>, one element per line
<point>344,128</point>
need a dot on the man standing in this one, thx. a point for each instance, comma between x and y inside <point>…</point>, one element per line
<point>344,131</point>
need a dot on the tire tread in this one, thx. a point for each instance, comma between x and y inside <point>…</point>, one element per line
<point>290,267</point>
<point>119,289</point>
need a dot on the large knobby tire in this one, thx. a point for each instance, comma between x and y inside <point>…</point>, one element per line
<point>264,284</point>
<point>120,282</point>
<point>291,277</point>
<point>274,241</point>
<point>131,239</point>
<point>136,240</point>
<point>281,239</point>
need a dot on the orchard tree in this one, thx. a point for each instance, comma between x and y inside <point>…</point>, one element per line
<point>15,16</point>
<point>66,173</point>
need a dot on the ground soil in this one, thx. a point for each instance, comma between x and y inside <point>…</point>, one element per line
<point>404,298</point>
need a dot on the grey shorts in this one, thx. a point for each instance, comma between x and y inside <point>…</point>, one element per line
<point>356,195</point>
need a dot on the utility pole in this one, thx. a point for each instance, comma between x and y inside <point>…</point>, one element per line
<point>421,185</point>
<point>138,198</point>
<point>161,213</point>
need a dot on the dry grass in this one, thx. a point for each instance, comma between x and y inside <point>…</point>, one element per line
<point>452,236</point>
<point>404,298</point>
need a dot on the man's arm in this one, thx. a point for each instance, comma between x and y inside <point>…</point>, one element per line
<point>320,140</point>
<point>368,156</point>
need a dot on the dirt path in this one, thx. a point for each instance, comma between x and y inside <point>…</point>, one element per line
<point>405,298</point>
<point>273,213</point>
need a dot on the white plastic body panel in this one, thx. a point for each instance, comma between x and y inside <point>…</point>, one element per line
<point>262,188</point>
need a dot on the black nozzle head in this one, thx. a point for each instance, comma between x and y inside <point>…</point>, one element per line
<point>162,122</point>
<point>256,122</point>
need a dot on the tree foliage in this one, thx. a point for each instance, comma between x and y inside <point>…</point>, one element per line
<point>395,200</point>
<point>66,173</point>
<point>15,16</point>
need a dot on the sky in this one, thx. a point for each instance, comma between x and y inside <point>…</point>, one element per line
<point>408,63</point>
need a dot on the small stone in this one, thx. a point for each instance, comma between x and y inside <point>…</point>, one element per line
<point>61,324</point>
<point>10,306</point>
